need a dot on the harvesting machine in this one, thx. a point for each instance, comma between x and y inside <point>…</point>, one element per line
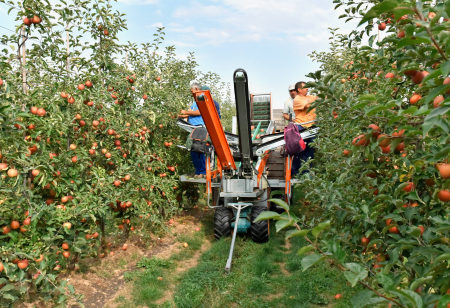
<point>247,169</point>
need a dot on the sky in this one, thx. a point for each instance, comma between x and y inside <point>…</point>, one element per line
<point>270,39</point>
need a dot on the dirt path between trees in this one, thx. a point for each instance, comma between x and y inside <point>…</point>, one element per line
<point>100,289</point>
<point>103,280</point>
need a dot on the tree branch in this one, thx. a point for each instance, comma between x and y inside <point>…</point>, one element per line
<point>431,34</point>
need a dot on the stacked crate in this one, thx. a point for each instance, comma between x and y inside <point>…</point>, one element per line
<point>261,108</point>
<point>280,122</point>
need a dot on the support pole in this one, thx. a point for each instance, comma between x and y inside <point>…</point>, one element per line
<point>236,222</point>
<point>234,125</point>
<point>208,178</point>
<point>24,62</point>
<point>67,49</point>
<point>288,178</point>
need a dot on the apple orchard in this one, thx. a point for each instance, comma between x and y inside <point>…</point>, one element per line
<point>88,141</point>
<point>88,148</point>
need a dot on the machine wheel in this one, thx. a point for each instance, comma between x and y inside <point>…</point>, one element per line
<point>222,222</point>
<point>274,207</point>
<point>259,230</point>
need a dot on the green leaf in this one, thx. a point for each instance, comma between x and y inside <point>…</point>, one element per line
<point>415,232</point>
<point>93,217</point>
<point>338,252</point>
<point>356,272</point>
<point>362,298</point>
<point>309,261</point>
<point>385,280</point>
<point>61,298</point>
<point>294,232</point>
<point>400,188</point>
<point>385,229</point>
<point>422,110</point>
<point>444,301</point>
<point>360,105</point>
<point>327,78</point>
<point>447,7</point>
<point>9,296</point>
<point>410,110</point>
<point>445,68</point>
<point>432,75</point>
<point>281,203</point>
<point>412,40</point>
<point>442,153</point>
<point>304,250</point>
<point>408,297</point>
<point>267,215</point>
<point>319,228</point>
<point>379,9</point>
<point>428,125</point>
<point>39,279</point>
<point>7,287</point>
<point>419,281</point>
<point>375,109</point>
<point>436,91</point>
<point>445,256</point>
<point>442,229</point>
<point>437,112</point>
<point>283,223</point>
<point>71,288</point>
<point>367,97</point>
<point>406,247</point>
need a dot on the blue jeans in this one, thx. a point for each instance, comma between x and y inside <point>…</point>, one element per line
<point>308,153</point>
<point>199,162</point>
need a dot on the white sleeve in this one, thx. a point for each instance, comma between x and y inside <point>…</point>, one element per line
<point>286,106</point>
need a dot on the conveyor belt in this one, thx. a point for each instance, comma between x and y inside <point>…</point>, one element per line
<point>242,97</point>
<point>231,138</point>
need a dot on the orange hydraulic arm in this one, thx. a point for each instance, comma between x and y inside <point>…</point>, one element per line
<point>211,118</point>
<point>288,166</point>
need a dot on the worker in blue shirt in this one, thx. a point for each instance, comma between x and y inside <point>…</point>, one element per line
<point>195,118</point>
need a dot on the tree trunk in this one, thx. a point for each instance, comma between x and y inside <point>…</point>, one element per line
<point>126,232</point>
<point>103,246</point>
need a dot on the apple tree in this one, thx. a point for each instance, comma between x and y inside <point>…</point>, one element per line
<point>88,141</point>
<point>381,173</point>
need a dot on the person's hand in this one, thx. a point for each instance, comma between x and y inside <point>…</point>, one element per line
<point>183,111</point>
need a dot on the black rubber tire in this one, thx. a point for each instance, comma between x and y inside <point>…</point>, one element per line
<point>222,222</point>
<point>274,207</point>
<point>259,230</point>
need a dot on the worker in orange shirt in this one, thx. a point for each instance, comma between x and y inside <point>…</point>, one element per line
<point>300,105</point>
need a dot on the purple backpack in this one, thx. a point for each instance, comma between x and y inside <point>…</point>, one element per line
<point>293,139</point>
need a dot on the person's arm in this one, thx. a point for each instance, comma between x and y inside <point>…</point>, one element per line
<point>190,112</point>
<point>301,103</point>
<point>286,110</point>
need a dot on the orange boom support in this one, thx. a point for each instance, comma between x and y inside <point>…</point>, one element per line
<point>211,118</point>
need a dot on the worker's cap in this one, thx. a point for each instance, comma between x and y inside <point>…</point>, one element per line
<point>204,88</point>
<point>292,87</point>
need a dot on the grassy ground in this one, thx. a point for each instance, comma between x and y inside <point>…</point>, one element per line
<point>262,275</point>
